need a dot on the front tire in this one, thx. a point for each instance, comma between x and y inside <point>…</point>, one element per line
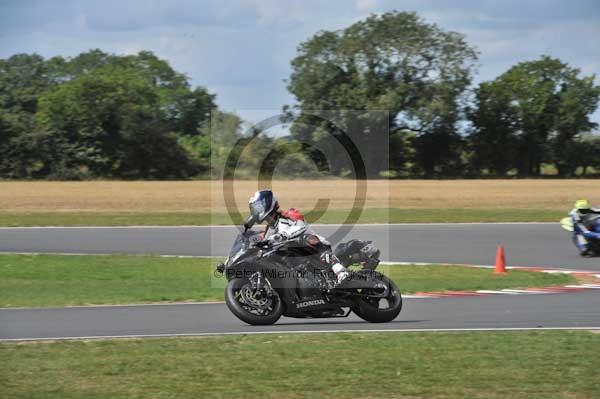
<point>266,311</point>
<point>369,309</point>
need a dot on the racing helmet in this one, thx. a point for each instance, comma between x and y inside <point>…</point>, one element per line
<point>583,205</point>
<point>262,204</point>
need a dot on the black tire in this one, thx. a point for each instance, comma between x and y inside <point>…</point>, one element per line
<point>241,311</point>
<point>370,311</point>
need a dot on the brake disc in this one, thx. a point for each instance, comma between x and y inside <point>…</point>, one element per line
<point>255,298</point>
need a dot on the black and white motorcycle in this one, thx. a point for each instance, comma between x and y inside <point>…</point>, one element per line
<point>267,280</point>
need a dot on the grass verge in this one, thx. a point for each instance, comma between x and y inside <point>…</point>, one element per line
<point>59,280</point>
<point>369,215</point>
<point>549,364</point>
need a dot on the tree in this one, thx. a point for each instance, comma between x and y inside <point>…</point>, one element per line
<point>393,62</point>
<point>23,78</point>
<point>577,100</point>
<point>438,150</point>
<point>588,150</point>
<point>185,109</point>
<point>537,108</point>
<point>33,146</point>
<point>493,141</point>
<point>108,123</point>
<point>215,140</point>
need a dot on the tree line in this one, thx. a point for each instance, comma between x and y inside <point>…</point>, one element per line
<point>100,115</point>
<point>97,115</point>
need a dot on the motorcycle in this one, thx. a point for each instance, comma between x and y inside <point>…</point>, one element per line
<point>267,280</point>
<point>592,223</point>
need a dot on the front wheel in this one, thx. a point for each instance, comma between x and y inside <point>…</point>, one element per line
<point>377,309</point>
<point>255,307</point>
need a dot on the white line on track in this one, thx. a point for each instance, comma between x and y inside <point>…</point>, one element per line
<point>497,292</point>
<point>406,330</point>
<point>522,291</point>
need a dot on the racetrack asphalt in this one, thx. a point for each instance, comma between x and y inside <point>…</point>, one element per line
<point>535,244</point>
<point>526,244</point>
<point>579,310</point>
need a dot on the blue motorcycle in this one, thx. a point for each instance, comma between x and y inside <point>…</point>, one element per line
<point>590,240</point>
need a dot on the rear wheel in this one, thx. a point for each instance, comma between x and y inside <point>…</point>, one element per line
<point>256,307</point>
<point>378,309</point>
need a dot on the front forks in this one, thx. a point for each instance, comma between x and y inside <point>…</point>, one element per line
<point>260,283</point>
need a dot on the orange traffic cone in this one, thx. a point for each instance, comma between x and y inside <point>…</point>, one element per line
<point>500,260</point>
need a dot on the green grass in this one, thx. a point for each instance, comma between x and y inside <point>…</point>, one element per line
<point>528,365</point>
<point>411,279</point>
<point>55,280</point>
<point>58,280</point>
<point>394,215</point>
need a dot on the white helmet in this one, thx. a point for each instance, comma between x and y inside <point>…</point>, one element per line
<point>262,204</point>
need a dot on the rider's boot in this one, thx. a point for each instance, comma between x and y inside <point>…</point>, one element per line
<point>587,253</point>
<point>341,273</point>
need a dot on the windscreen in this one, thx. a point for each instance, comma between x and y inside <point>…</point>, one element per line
<point>237,245</point>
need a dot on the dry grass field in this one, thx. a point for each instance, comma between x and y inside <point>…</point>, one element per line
<point>205,202</point>
<point>207,196</point>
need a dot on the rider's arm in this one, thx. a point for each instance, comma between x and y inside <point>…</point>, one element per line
<point>580,228</point>
<point>590,234</point>
<point>291,229</point>
<point>576,218</point>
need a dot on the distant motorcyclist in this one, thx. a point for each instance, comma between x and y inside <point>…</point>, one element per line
<point>581,233</point>
<point>290,224</point>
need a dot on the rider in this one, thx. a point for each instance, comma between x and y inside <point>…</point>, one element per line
<point>581,234</point>
<point>290,224</point>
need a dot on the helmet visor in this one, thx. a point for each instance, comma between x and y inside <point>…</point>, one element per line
<point>261,204</point>
<point>257,208</point>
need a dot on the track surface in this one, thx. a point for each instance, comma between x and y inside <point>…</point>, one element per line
<point>526,244</point>
<point>560,310</point>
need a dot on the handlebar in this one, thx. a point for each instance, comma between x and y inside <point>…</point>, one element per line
<point>263,244</point>
<point>267,244</point>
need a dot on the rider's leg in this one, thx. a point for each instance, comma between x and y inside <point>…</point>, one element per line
<point>338,269</point>
<point>590,238</point>
<point>340,272</point>
<point>581,243</point>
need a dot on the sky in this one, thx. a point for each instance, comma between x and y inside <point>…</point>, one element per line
<point>241,49</point>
